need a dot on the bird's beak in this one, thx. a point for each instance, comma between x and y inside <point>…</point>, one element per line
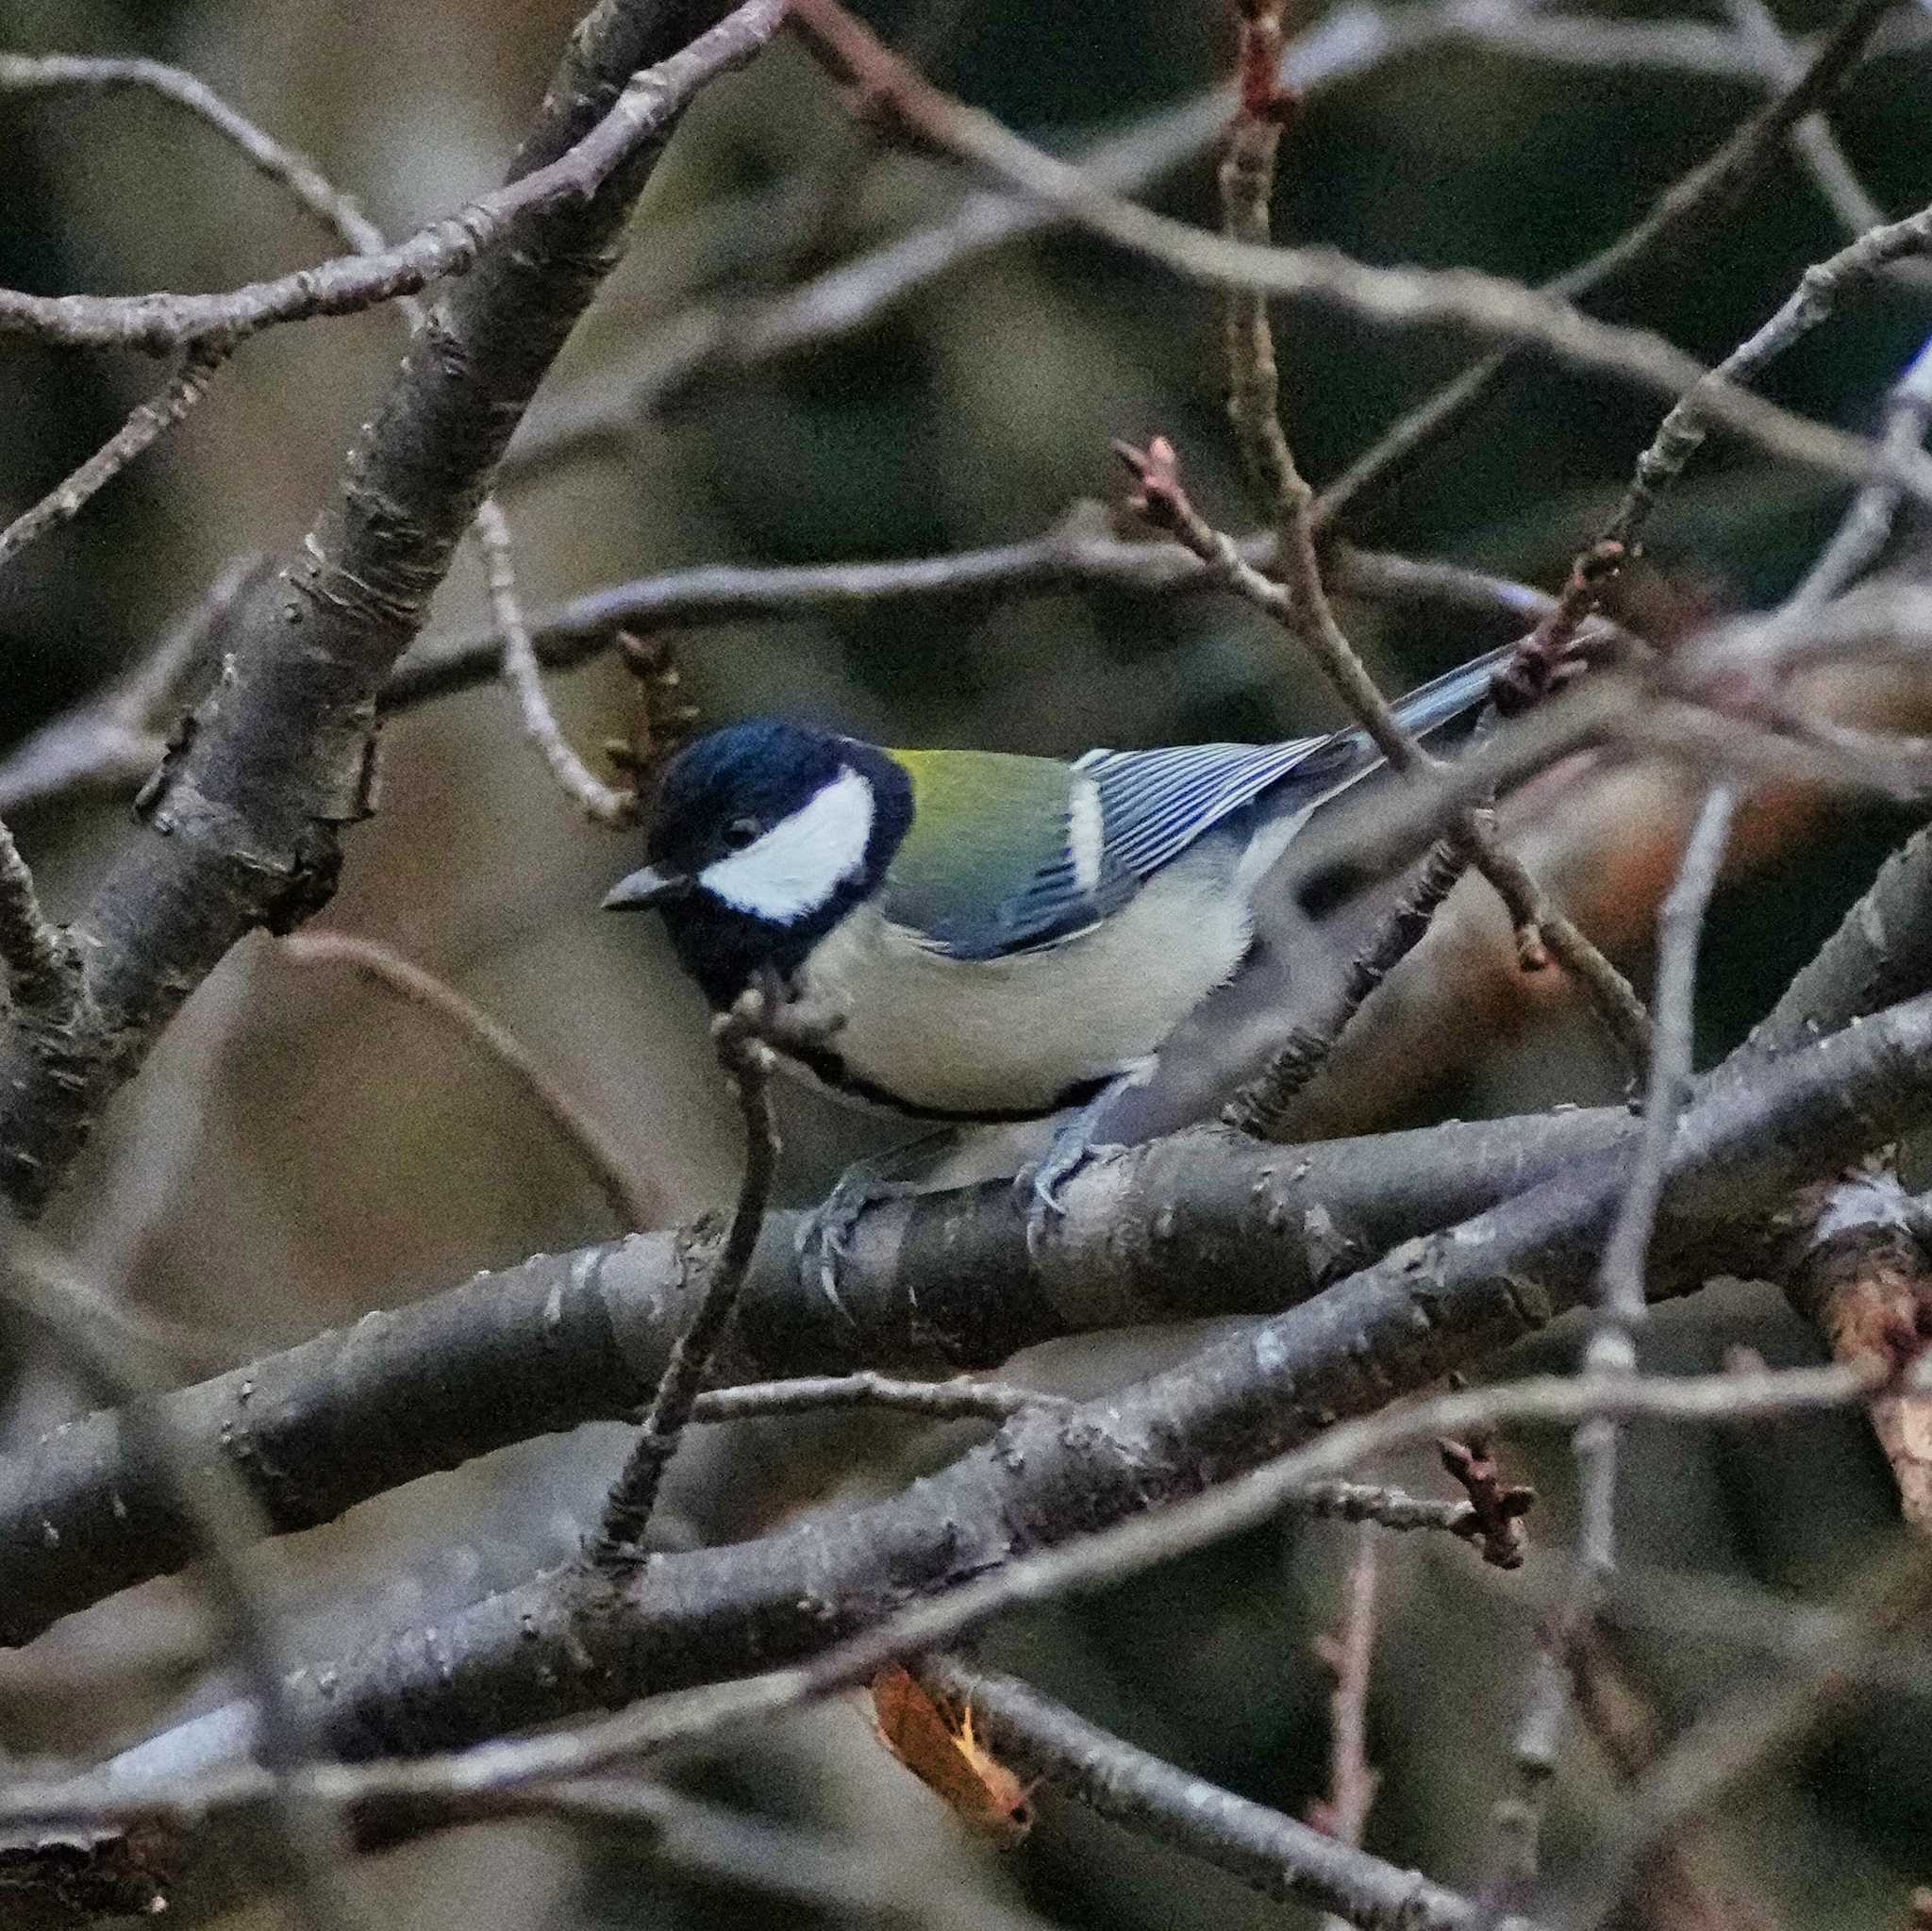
<point>645,887</point>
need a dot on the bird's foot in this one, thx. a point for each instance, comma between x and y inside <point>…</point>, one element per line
<point>823,1240</point>
<point>1039,1183</point>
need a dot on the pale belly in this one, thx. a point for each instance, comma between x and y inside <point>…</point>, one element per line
<point>1014,1036</point>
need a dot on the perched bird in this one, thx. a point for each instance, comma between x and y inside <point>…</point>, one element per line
<point>999,937</point>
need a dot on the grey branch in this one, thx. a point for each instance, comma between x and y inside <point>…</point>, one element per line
<point>1275,1854</point>
<point>245,819</point>
<point>567,1642</point>
<point>642,112</point>
<point>1064,561</point>
<point>942,1283</point>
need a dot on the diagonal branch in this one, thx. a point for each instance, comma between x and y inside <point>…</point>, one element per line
<point>640,113</point>
<point>245,819</point>
<point>566,1642</point>
<point>1690,206</point>
<point>1484,305</point>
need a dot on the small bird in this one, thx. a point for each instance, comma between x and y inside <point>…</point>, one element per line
<point>999,937</point>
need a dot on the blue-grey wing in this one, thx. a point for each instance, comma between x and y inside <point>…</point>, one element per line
<point>1158,803</point>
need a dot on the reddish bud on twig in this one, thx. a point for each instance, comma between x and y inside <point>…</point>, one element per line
<point>1496,1524</point>
<point>1545,658</point>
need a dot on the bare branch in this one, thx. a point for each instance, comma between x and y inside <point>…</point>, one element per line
<point>1300,606</point>
<point>289,171</point>
<point>1621,1306</point>
<point>542,1650</point>
<point>585,1335</point>
<point>618,1548</point>
<point>1812,140</point>
<point>1687,207</point>
<point>633,1202</point>
<point>144,426</point>
<point>717,341</point>
<point>963,1398</point>
<point>1349,1654</point>
<point>39,972</point>
<point>1064,561</point>
<point>1272,1853</point>
<point>521,674</point>
<point>1482,304</point>
<point>1261,1106</point>
<point>225,1525</point>
<point>245,819</point>
<point>156,322</point>
<point>1682,432</point>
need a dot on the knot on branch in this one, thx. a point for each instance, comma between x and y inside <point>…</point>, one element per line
<point>1497,1507</point>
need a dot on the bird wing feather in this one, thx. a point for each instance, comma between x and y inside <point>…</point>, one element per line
<point>990,865</point>
<point>1006,853</point>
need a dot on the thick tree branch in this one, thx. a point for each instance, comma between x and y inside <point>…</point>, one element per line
<point>245,818</point>
<point>941,1283</point>
<point>569,1643</point>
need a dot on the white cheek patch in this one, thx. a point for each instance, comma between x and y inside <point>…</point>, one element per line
<point>796,866</point>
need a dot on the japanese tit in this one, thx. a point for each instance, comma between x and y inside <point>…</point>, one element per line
<point>1000,936</point>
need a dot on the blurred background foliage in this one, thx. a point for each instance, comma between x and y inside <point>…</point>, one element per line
<point>298,1151</point>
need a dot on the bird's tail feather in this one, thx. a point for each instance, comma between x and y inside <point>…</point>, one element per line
<point>1444,699</point>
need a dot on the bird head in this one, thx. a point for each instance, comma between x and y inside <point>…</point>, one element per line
<point>764,835</point>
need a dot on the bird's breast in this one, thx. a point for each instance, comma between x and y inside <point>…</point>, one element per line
<point>980,1038</point>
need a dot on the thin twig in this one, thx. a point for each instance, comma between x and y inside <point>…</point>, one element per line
<point>748,1063</point>
<point>1066,560</point>
<point>1261,1106</point>
<point>1349,1654</point>
<point>1816,146</point>
<point>598,800</point>
<point>1484,303</point>
<point>963,1398</point>
<point>1266,1850</point>
<point>1246,181</point>
<point>1691,203</point>
<point>631,1199</point>
<point>344,217</point>
<point>1680,436</point>
<point>1683,430</point>
<point>160,321</point>
<point>1611,1353</point>
<point>713,342</point>
<point>1301,607</point>
<point>146,423</point>
<point>1867,525</point>
<point>289,171</point>
<point>226,1525</point>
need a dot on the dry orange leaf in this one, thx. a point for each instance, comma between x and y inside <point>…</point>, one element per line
<point>945,1755</point>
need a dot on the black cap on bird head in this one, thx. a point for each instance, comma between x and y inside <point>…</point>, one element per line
<point>764,835</point>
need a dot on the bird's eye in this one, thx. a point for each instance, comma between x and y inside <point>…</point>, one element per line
<point>740,833</point>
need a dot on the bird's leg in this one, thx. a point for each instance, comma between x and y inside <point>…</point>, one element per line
<point>1074,1145</point>
<point>825,1234</point>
